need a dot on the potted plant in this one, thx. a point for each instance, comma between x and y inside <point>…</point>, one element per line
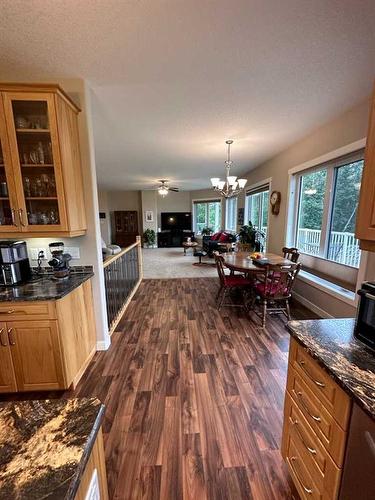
<point>206,231</point>
<point>249,239</point>
<point>149,238</point>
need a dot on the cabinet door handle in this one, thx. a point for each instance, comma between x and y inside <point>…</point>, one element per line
<point>302,365</point>
<point>20,214</point>
<point>307,490</point>
<point>10,336</point>
<point>13,212</point>
<point>311,450</point>
<point>304,405</point>
<point>2,342</point>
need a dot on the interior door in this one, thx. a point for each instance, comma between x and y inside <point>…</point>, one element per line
<point>7,376</point>
<point>34,147</point>
<point>8,199</point>
<point>36,355</point>
<point>126,227</point>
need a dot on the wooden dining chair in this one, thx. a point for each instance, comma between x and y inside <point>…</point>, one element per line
<point>228,282</point>
<point>291,253</point>
<point>275,291</point>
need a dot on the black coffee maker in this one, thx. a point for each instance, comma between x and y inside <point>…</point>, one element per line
<point>60,260</point>
<point>14,263</point>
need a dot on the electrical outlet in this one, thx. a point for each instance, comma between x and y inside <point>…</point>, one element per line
<point>34,252</point>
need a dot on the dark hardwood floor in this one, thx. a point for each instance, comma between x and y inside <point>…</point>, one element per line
<point>194,397</point>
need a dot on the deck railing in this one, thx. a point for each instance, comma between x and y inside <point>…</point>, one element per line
<point>122,276</point>
<point>343,247</point>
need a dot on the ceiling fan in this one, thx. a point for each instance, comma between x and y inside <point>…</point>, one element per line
<point>163,188</point>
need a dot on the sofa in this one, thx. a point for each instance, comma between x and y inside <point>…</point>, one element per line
<point>219,241</point>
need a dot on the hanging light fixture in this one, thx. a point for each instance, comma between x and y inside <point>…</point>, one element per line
<point>231,186</point>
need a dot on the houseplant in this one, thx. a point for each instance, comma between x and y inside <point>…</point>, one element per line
<point>249,239</point>
<point>149,238</point>
<point>206,231</point>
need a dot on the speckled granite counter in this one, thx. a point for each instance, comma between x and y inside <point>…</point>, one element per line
<point>45,445</point>
<point>332,343</point>
<point>44,288</point>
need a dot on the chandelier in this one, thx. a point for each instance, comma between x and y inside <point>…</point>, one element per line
<point>231,186</point>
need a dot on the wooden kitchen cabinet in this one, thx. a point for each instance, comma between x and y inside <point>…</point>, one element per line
<point>36,355</point>
<point>365,226</point>
<point>47,345</point>
<point>7,376</point>
<point>41,187</point>
<point>316,420</point>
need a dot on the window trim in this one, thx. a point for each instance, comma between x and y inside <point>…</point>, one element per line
<point>249,190</point>
<point>290,222</point>
<point>207,200</point>
<point>331,167</point>
<point>235,198</point>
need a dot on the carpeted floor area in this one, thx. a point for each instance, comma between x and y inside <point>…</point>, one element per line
<point>172,263</point>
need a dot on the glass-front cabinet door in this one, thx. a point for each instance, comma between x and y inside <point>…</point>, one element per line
<point>34,147</point>
<point>8,199</point>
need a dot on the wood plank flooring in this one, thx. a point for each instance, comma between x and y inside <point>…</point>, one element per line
<point>194,398</point>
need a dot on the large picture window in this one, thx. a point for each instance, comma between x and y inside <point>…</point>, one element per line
<point>256,209</point>
<point>231,214</point>
<point>327,201</point>
<point>207,214</point>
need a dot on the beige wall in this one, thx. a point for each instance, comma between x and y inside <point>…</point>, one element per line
<point>346,129</point>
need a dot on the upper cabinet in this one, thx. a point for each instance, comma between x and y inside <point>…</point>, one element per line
<point>41,189</point>
<point>365,228</point>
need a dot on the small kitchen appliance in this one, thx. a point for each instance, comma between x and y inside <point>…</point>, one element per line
<point>365,322</point>
<point>14,263</point>
<point>60,260</point>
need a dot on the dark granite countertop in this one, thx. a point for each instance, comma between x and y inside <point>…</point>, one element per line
<point>46,287</point>
<point>45,446</point>
<point>332,343</point>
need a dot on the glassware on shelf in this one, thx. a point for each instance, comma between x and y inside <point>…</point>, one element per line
<point>27,186</point>
<point>21,122</point>
<point>3,189</point>
<point>46,184</point>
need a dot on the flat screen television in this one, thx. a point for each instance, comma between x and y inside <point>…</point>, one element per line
<point>176,221</point>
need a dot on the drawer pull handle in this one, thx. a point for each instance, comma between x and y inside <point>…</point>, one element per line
<point>3,343</point>
<point>314,417</point>
<point>311,450</point>
<point>11,311</point>
<point>307,490</point>
<point>10,336</point>
<point>302,365</point>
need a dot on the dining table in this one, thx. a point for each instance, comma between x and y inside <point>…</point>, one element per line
<point>241,262</point>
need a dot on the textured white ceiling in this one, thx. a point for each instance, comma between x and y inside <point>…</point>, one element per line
<point>173,79</point>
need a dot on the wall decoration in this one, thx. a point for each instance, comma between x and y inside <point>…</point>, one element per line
<point>275,200</point>
<point>149,216</point>
<point>241,216</point>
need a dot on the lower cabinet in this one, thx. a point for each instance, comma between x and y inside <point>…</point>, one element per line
<point>316,420</point>
<point>36,355</point>
<point>47,346</point>
<point>7,375</point>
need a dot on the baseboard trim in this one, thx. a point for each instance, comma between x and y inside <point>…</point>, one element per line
<point>103,345</point>
<point>314,308</point>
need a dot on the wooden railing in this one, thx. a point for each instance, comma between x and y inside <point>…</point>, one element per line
<point>122,276</point>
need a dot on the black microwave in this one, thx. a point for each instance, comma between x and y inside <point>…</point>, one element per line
<point>365,323</point>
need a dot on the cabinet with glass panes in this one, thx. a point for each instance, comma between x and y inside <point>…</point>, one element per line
<point>41,189</point>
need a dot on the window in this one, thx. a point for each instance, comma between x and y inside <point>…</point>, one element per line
<point>256,211</point>
<point>327,200</point>
<point>231,214</point>
<point>207,214</point>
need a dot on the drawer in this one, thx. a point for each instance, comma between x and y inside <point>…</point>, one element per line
<point>27,310</point>
<point>299,471</point>
<point>332,436</point>
<point>322,468</point>
<point>337,402</point>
